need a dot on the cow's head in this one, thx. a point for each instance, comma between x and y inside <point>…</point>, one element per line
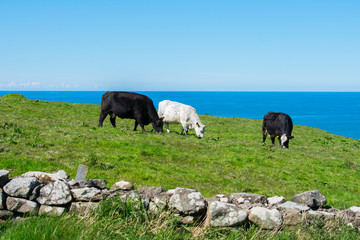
<point>199,130</point>
<point>158,125</point>
<point>284,140</point>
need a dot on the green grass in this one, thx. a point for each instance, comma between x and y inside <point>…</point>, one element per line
<point>118,220</point>
<point>49,136</point>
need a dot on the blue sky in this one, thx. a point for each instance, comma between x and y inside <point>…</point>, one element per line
<point>180,45</point>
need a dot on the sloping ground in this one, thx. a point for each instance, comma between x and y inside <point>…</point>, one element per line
<point>48,136</point>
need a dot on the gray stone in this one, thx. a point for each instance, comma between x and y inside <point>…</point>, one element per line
<point>62,174</point>
<point>265,218</point>
<point>221,214</point>
<point>81,173</point>
<point>5,214</point>
<point>2,199</point>
<point>87,194</point>
<point>292,205</point>
<point>4,177</point>
<point>159,202</point>
<point>122,185</point>
<point>292,217</point>
<point>55,193</point>
<point>21,205</point>
<point>99,183</point>
<point>188,201</point>
<point>86,184</point>
<point>36,192</point>
<point>276,200</point>
<point>313,215</point>
<point>21,187</point>
<point>83,208</point>
<point>312,199</point>
<point>51,210</point>
<point>243,198</point>
<point>218,198</point>
<point>43,177</point>
<point>150,192</point>
<point>74,184</point>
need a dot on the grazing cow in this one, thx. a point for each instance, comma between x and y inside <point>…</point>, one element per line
<point>174,112</point>
<point>278,125</point>
<point>132,106</point>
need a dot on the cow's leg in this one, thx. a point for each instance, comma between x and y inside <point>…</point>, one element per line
<point>182,130</point>
<point>102,118</point>
<point>273,141</point>
<point>136,124</point>
<point>167,127</point>
<point>186,131</point>
<point>142,127</point>
<point>264,136</point>
<point>113,120</point>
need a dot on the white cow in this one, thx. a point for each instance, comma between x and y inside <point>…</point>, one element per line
<point>174,112</point>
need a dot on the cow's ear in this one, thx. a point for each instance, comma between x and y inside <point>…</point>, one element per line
<point>197,124</point>
<point>291,137</point>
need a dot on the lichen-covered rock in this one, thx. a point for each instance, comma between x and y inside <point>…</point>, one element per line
<point>51,210</point>
<point>2,199</point>
<point>55,193</point>
<point>219,197</point>
<point>83,208</point>
<point>241,198</point>
<point>150,192</point>
<point>292,205</point>
<point>265,218</point>
<point>35,193</point>
<point>87,194</point>
<point>122,185</point>
<point>312,199</point>
<point>221,214</point>
<point>276,200</point>
<point>5,214</point>
<point>4,177</point>
<point>21,187</point>
<point>99,183</point>
<point>188,201</point>
<point>43,177</point>
<point>21,205</point>
<point>292,217</point>
<point>313,215</point>
<point>159,202</point>
<point>62,175</point>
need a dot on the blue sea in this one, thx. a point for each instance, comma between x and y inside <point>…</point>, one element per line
<point>335,112</point>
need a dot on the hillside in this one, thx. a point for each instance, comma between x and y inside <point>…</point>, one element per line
<point>48,136</point>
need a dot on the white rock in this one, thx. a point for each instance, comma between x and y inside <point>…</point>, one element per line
<point>276,200</point>
<point>21,205</point>
<point>122,185</point>
<point>55,193</point>
<point>221,214</point>
<point>87,194</point>
<point>51,210</point>
<point>21,187</point>
<point>265,218</point>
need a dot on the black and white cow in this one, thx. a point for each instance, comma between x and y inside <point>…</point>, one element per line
<point>277,125</point>
<point>130,105</point>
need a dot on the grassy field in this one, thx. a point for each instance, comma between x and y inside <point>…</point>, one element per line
<point>49,136</point>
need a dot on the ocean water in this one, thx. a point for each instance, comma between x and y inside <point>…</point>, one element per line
<point>335,112</point>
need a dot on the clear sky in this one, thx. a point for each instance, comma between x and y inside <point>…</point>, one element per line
<point>180,45</point>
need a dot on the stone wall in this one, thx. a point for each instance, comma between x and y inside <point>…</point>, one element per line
<point>40,193</point>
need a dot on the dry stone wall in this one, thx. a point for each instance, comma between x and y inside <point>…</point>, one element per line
<point>39,193</point>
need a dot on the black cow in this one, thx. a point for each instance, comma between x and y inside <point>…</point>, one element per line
<point>278,125</point>
<point>130,105</point>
